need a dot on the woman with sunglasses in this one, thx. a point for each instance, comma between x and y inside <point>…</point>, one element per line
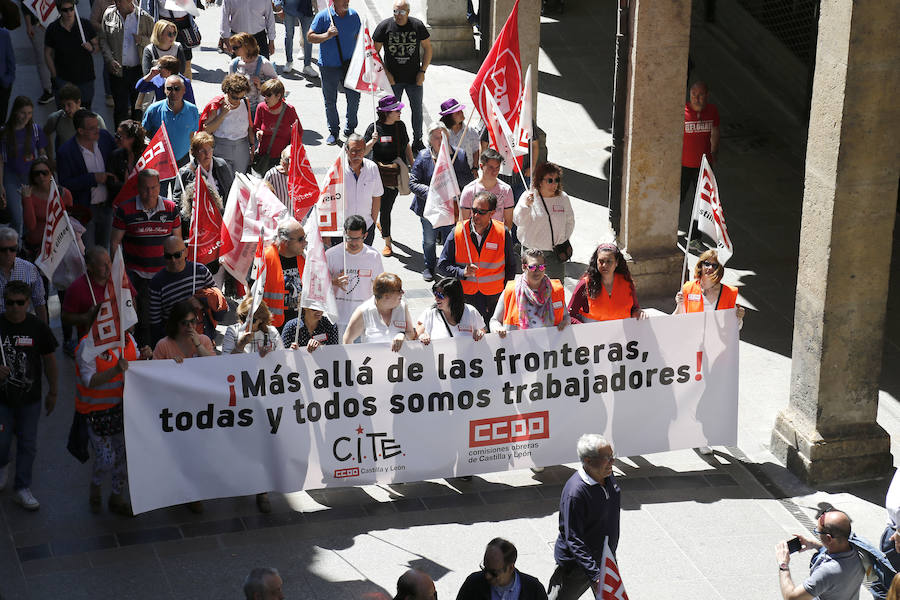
<point>182,340</point>
<point>382,318</point>
<point>533,300</point>
<point>228,119</point>
<point>449,316</point>
<point>261,337</point>
<point>706,291</point>
<point>248,62</point>
<point>606,290</point>
<point>273,121</point>
<point>35,197</point>
<point>544,218</point>
<point>162,43</point>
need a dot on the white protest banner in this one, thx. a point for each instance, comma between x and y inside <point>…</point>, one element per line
<point>443,191</point>
<point>360,414</point>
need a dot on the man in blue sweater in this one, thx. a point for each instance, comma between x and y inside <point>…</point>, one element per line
<point>588,516</point>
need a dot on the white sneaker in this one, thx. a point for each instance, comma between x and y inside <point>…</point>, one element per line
<point>309,71</point>
<point>4,477</point>
<point>26,500</point>
<point>288,67</point>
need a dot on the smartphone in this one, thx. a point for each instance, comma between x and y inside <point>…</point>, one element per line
<point>794,545</point>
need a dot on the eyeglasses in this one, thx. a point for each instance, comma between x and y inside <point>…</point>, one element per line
<point>173,255</point>
<point>603,459</point>
<point>16,302</point>
<point>479,211</point>
<point>439,295</point>
<point>400,11</point>
<point>173,88</point>
<point>536,267</point>
<point>12,249</point>
<point>267,94</point>
<point>65,10</point>
<point>711,265</point>
<point>189,322</point>
<point>41,173</point>
<point>356,150</point>
<point>354,239</point>
<point>552,179</point>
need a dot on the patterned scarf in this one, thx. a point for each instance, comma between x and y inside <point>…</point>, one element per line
<point>535,306</point>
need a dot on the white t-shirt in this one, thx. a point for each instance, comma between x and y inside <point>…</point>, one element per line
<point>470,322</point>
<point>270,340</point>
<point>235,124</point>
<point>362,269</point>
<point>375,329</point>
<point>501,190</point>
<point>360,190</point>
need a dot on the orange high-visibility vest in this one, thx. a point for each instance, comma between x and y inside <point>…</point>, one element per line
<point>273,286</point>
<point>90,399</point>
<point>609,308</point>
<point>693,297</point>
<point>490,260</point>
<point>511,308</point>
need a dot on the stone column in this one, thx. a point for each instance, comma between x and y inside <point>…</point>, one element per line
<point>654,124</point>
<point>529,35</point>
<point>451,36</point>
<point>828,431</point>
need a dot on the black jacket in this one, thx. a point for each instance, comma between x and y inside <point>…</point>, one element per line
<point>476,587</point>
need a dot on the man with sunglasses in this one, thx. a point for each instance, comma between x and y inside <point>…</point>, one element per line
<point>181,117</point>
<point>499,578</point>
<point>284,271</point>
<point>835,572</point>
<point>68,47</point>
<point>481,255</point>
<point>28,346</point>
<point>179,279</point>
<point>589,510</point>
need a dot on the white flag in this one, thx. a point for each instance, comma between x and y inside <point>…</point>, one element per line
<point>611,585</point>
<point>262,212</point>
<point>709,212</point>
<point>317,292</point>
<point>366,71</point>
<point>443,192</point>
<point>500,134</point>
<point>259,285</point>
<point>187,6</point>
<point>116,312</point>
<point>58,234</point>
<point>236,255</point>
<point>524,134</point>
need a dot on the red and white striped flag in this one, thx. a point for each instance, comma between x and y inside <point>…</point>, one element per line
<point>158,155</point>
<point>45,10</point>
<point>709,212</point>
<point>58,234</point>
<point>303,189</point>
<point>204,241</point>
<point>611,585</point>
<point>235,255</point>
<point>116,312</point>
<point>330,206</point>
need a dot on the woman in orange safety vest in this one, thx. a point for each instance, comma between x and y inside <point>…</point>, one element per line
<point>606,291</point>
<point>706,291</point>
<point>532,300</point>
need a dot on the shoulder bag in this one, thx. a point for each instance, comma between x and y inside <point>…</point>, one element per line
<point>263,162</point>
<point>562,251</point>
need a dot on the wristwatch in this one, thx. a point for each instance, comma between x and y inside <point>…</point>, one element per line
<point>784,567</point>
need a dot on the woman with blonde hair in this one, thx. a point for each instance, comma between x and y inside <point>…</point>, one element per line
<point>162,43</point>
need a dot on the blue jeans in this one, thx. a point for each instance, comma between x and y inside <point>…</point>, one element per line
<point>86,88</point>
<point>429,242</point>
<point>290,22</point>
<point>332,81</point>
<point>21,421</point>
<point>11,184</point>
<point>414,95</point>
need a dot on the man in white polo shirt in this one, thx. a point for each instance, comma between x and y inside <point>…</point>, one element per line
<point>362,185</point>
<point>353,285</point>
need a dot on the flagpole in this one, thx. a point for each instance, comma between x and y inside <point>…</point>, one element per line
<point>687,241</point>
<point>297,328</point>
<point>344,210</point>
<point>465,131</point>
<point>196,226</point>
<point>81,256</point>
<point>80,28</point>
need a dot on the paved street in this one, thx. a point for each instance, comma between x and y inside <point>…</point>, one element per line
<point>693,527</point>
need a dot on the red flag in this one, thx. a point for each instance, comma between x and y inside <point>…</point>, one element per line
<point>501,72</point>
<point>611,585</point>
<point>303,189</point>
<point>206,224</point>
<point>158,155</point>
<point>330,206</point>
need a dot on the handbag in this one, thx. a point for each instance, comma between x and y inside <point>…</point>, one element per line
<point>562,251</point>
<point>107,422</point>
<point>390,172</point>
<point>188,32</point>
<point>78,438</point>
<point>263,162</point>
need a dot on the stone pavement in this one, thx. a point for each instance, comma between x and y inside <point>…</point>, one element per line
<point>693,527</point>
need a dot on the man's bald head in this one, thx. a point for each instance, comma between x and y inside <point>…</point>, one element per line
<point>173,243</point>
<point>174,253</point>
<point>415,585</point>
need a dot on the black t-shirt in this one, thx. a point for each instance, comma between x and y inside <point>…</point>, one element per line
<point>391,144</point>
<point>293,284</point>
<point>402,45</point>
<point>73,63</point>
<point>23,345</point>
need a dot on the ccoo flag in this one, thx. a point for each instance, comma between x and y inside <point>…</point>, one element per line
<point>611,585</point>
<point>158,155</point>
<point>303,189</point>
<point>501,72</point>
<point>204,240</point>
<point>58,234</point>
<point>501,136</point>
<point>443,192</point>
<point>330,206</point>
<point>709,212</point>
<point>316,292</point>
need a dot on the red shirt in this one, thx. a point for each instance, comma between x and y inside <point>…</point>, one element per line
<point>34,214</point>
<point>697,134</point>
<point>79,300</point>
<point>265,121</point>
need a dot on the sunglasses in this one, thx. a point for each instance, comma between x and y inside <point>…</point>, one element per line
<point>236,48</point>
<point>173,255</point>
<point>16,302</point>
<point>400,11</point>
<point>12,249</point>
<point>41,173</point>
<point>173,88</point>
<point>439,295</point>
<point>171,33</point>
<point>479,211</point>
<point>536,267</point>
<point>552,179</point>
<point>492,572</point>
<point>711,265</point>
<point>268,94</point>
<point>65,10</point>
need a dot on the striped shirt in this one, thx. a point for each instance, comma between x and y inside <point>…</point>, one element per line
<point>145,232</point>
<point>278,179</point>
<point>24,271</point>
<point>167,288</point>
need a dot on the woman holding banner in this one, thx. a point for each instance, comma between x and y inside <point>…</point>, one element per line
<point>449,316</point>
<point>182,340</point>
<point>532,300</point>
<point>316,329</point>
<point>261,337</point>
<point>706,291</point>
<point>606,291</point>
<point>383,317</point>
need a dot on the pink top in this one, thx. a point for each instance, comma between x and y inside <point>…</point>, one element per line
<point>169,348</point>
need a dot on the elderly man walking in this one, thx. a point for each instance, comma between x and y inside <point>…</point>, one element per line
<point>284,271</point>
